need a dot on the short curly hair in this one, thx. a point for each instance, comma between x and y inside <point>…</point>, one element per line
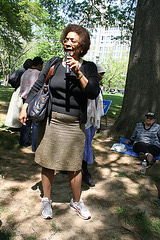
<point>37,61</point>
<point>82,33</point>
<point>28,63</point>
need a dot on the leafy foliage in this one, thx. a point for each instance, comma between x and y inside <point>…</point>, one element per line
<point>23,20</point>
<point>47,43</point>
<point>17,18</point>
<point>116,70</point>
<point>19,23</point>
<point>13,25</point>
<point>104,13</point>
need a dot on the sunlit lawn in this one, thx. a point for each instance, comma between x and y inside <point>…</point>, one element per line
<point>5,94</point>
<point>116,104</point>
<point>113,112</point>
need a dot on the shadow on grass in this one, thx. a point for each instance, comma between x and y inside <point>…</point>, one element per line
<point>16,164</point>
<point>6,235</point>
<point>110,174</point>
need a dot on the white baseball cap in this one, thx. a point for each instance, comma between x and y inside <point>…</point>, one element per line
<point>100,68</point>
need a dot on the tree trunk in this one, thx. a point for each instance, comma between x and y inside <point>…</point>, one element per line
<point>3,63</point>
<point>142,90</point>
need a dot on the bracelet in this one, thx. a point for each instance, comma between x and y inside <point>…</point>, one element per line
<point>80,76</point>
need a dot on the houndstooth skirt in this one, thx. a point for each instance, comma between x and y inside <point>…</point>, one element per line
<point>60,143</point>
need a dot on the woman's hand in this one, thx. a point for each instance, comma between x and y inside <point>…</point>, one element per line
<point>23,114</point>
<point>127,142</point>
<point>74,66</point>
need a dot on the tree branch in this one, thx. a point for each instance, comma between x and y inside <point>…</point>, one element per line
<point>129,230</point>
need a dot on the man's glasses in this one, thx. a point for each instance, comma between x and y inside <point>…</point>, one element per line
<point>72,41</point>
<point>150,118</point>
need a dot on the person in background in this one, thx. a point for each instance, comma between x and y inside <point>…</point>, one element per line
<point>61,142</point>
<point>94,113</point>
<point>14,78</point>
<point>101,71</point>
<point>27,81</point>
<point>16,103</point>
<point>146,139</point>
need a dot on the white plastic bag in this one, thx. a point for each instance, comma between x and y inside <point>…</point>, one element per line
<point>119,147</point>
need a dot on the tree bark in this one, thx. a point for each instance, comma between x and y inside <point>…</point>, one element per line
<point>3,63</point>
<point>142,90</point>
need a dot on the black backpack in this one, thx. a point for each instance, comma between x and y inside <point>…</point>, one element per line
<point>14,78</point>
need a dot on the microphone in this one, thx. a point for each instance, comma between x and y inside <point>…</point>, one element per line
<point>68,71</point>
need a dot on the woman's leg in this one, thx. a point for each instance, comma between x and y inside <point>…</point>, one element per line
<point>146,148</point>
<point>140,147</point>
<point>75,179</point>
<point>155,151</point>
<point>76,203</point>
<point>47,180</point>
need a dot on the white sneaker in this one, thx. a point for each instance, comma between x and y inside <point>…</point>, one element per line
<point>80,208</point>
<point>46,210</point>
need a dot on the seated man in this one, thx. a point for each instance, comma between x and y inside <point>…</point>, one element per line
<point>146,139</point>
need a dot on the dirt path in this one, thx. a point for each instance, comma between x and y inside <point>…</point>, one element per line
<point>118,186</point>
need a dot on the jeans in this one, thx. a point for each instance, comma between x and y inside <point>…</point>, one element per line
<point>34,135</point>
<point>88,154</point>
<point>25,134</point>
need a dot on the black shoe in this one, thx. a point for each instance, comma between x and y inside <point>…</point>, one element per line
<point>26,145</point>
<point>142,156</point>
<point>87,179</point>
<point>64,172</point>
<point>98,130</point>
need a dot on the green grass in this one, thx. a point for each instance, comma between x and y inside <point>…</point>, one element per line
<point>8,140</point>
<point>142,225</point>
<point>116,105</point>
<point>147,227</point>
<point>30,238</point>
<point>113,112</point>
<point>53,226</point>
<point>5,94</point>
<point>7,235</point>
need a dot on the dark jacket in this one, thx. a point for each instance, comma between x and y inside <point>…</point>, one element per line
<point>14,78</point>
<point>91,91</point>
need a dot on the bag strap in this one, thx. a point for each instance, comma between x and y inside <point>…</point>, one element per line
<point>51,70</point>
